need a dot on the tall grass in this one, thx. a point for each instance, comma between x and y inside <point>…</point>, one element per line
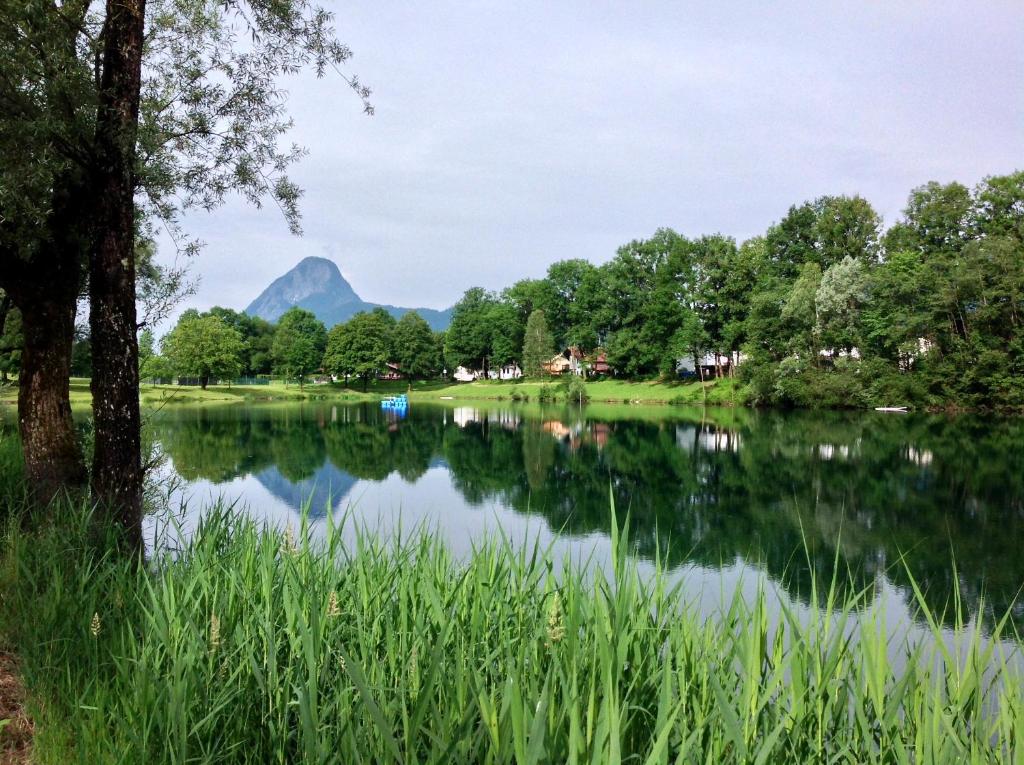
<point>255,646</point>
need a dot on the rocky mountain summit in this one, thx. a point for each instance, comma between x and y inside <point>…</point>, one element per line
<point>317,285</point>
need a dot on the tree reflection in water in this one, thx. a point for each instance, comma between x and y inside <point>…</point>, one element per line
<point>790,492</point>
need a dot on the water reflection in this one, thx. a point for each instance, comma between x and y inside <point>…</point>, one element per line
<point>706,488</point>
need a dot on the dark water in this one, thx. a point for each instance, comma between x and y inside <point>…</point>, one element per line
<point>884,496</point>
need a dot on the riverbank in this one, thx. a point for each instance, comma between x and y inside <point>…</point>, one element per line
<point>253,647</point>
<point>725,392</point>
<point>159,395</point>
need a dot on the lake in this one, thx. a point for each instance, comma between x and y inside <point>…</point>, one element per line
<point>727,498</point>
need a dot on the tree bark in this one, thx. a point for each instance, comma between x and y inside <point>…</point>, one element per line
<point>117,459</point>
<point>53,459</point>
<point>45,289</point>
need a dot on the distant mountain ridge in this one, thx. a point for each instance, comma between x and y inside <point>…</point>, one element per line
<point>317,285</point>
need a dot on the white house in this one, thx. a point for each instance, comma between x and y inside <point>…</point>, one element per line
<point>709,363</point>
<point>508,372</point>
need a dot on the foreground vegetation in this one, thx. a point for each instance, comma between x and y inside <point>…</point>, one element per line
<point>253,646</point>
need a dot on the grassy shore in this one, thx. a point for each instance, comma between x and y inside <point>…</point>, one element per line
<point>720,393</point>
<point>157,395</point>
<point>250,646</point>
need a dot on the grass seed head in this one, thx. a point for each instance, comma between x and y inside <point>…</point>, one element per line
<point>414,673</point>
<point>556,629</point>
<point>288,546</point>
<point>95,626</point>
<point>333,609</point>
<point>214,632</point>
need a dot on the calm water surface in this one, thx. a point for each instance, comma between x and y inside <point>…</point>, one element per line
<point>729,497</point>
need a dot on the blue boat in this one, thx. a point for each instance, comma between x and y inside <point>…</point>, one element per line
<point>396,403</point>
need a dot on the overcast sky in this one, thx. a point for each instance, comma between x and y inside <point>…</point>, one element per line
<point>511,135</point>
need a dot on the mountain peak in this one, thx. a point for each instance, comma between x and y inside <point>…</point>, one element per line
<point>314,283</point>
<point>311,262</point>
<point>317,285</point>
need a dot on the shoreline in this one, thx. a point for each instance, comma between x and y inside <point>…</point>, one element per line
<point>725,393</point>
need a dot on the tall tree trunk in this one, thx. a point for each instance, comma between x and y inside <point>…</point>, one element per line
<point>53,460</point>
<point>45,290</point>
<point>117,460</point>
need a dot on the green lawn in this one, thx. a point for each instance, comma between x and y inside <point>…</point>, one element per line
<point>727,392</point>
<point>721,392</point>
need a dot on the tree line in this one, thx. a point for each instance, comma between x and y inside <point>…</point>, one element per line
<point>223,343</point>
<point>827,307</point>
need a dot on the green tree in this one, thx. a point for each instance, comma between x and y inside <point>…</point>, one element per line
<point>362,346</point>
<point>11,340</point>
<point>468,340</point>
<point>897,316</point>
<point>841,296</point>
<point>258,336</point>
<point>691,339</point>
<point>846,227</point>
<point>506,333</point>
<point>414,347</point>
<point>568,309</point>
<point>147,347</point>
<point>998,209</point>
<point>47,119</point>
<point>114,117</point>
<point>649,282</point>
<point>529,295</point>
<point>157,367</point>
<point>799,313</point>
<point>299,342</point>
<point>538,345</point>
<point>81,353</point>
<point>937,219</point>
<point>203,347</point>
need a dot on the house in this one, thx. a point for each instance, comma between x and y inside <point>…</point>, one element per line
<point>392,372</point>
<point>464,375</point>
<point>568,361</point>
<point>597,364</point>
<point>556,365</point>
<point>710,365</point>
<point>507,372</point>
<point>576,358</point>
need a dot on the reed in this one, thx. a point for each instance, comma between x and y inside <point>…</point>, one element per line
<point>250,645</point>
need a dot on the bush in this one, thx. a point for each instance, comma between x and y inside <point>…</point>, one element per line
<point>574,390</point>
